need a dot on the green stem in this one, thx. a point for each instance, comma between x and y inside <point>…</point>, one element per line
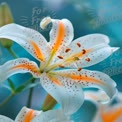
<point>30,93</point>
<point>7,100</point>
<point>12,53</point>
<point>30,97</point>
<point>15,93</point>
<point>31,80</point>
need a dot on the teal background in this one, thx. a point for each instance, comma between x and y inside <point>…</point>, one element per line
<point>87,16</point>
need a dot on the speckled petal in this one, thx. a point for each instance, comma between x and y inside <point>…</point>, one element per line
<point>29,39</point>
<point>26,115</point>
<point>52,116</point>
<point>20,65</point>
<point>69,96</point>
<point>89,50</point>
<point>87,78</point>
<point>5,119</point>
<point>61,34</point>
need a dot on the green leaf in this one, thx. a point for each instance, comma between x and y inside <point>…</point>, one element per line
<point>20,89</point>
<point>11,84</point>
<point>32,85</point>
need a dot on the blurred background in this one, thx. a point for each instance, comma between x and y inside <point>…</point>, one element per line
<point>87,16</point>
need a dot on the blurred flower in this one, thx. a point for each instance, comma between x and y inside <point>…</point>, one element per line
<point>111,112</point>
<point>62,60</point>
<point>30,115</point>
<point>5,18</point>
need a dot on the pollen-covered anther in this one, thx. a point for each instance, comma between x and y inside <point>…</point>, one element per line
<point>76,58</point>
<point>61,66</point>
<point>79,69</point>
<point>83,51</point>
<point>78,44</point>
<point>88,59</point>
<point>67,50</point>
<point>60,57</point>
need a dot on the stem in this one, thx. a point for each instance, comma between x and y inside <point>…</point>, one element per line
<point>12,52</point>
<point>30,97</point>
<point>7,100</point>
<point>32,79</point>
<point>15,93</point>
<point>30,93</point>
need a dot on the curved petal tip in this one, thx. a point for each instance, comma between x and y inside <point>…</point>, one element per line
<point>45,21</point>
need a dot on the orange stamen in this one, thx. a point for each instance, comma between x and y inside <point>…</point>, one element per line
<point>78,44</point>
<point>60,57</point>
<point>67,50</point>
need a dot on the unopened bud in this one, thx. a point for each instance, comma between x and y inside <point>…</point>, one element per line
<point>5,18</point>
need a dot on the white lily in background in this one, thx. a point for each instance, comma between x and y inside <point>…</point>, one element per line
<point>61,61</point>
<point>30,115</point>
<point>110,112</point>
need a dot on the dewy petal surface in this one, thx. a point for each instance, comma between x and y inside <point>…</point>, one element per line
<point>20,65</point>
<point>52,116</point>
<point>87,78</point>
<point>26,115</point>
<point>90,49</point>
<point>69,96</point>
<point>29,39</point>
<point>5,119</point>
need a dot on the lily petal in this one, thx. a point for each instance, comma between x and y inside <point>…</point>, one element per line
<point>87,78</point>
<point>29,39</point>
<point>96,96</point>
<point>96,55</point>
<point>20,65</point>
<point>61,34</point>
<point>52,116</point>
<point>5,119</point>
<point>89,50</point>
<point>26,115</point>
<point>69,96</point>
<point>109,113</point>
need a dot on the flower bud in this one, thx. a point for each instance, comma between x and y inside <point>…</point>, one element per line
<point>5,18</point>
<point>49,103</point>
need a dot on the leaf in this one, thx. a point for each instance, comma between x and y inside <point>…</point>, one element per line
<point>20,89</point>
<point>24,87</point>
<point>11,84</point>
<point>32,85</point>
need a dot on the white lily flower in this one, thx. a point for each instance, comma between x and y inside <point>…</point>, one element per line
<point>30,115</point>
<point>64,84</point>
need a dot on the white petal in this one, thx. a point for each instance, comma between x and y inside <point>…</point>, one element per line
<point>110,113</point>
<point>96,96</point>
<point>5,119</point>
<point>26,115</point>
<point>61,34</point>
<point>96,56</point>
<point>68,95</point>
<point>20,65</point>
<point>52,116</point>
<point>29,39</point>
<point>87,78</point>
<point>93,47</point>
